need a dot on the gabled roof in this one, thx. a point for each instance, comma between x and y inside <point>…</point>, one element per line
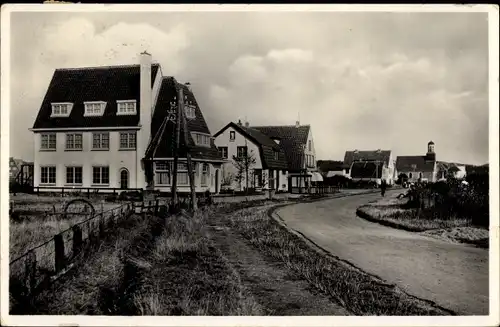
<point>267,147</point>
<point>366,170</point>
<point>414,163</point>
<point>78,85</point>
<point>330,165</point>
<point>375,155</point>
<point>292,141</point>
<point>164,145</point>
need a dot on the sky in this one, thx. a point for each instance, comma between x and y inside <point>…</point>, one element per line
<point>362,80</point>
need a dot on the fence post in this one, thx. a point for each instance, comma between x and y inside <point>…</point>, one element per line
<point>101,223</point>
<point>62,191</point>
<point>77,239</point>
<point>60,260</point>
<point>30,270</point>
<point>88,193</point>
<point>156,207</point>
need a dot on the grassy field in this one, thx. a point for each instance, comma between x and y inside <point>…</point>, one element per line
<point>153,266</point>
<point>391,212</point>
<point>355,290</point>
<point>38,218</point>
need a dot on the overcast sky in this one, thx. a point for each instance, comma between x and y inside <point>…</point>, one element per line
<point>361,80</point>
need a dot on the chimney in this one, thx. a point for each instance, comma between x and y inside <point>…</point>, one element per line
<point>146,92</point>
<point>247,124</point>
<point>239,122</point>
<point>188,85</point>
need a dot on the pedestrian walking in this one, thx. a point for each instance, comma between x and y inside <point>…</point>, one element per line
<point>383,187</point>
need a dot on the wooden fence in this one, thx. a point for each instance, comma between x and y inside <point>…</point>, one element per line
<point>43,264</point>
<point>317,189</point>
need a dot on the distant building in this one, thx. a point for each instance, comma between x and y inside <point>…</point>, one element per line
<point>373,165</point>
<point>270,168</point>
<point>14,167</point>
<point>419,168</point>
<point>451,169</point>
<point>331,168</point>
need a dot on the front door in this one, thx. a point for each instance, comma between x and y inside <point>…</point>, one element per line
<point>124,179</point>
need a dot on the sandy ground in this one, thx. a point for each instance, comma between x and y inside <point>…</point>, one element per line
<point>454,276</point>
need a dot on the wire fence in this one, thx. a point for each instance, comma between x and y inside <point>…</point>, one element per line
<point>41,265</point>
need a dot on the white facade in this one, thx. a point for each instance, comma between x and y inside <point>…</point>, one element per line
<point>114,158</point>
<point>232,140</point>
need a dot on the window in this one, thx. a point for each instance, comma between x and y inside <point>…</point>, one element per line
<point>411,175</point>
<point>74,142</point>
<point>223,151</point>
<point>309,145</point>
<point>95,108</point>
<point>61,109</point>
<point>100,175</point>
<point>126,107</point>
<point>47,175</point>
<point>276,155</point>
<point>420,175</point>
<point>232,135</point>
<point>182,174</point>
<point>100,141</point>
<point>241,151</point>
<point>201,139</point>
<point>48,141</point>
<point>204,174</point>
<point>127,140</point>
<point>73,175</point>
<point>190,112</point>
<point>163,176</point>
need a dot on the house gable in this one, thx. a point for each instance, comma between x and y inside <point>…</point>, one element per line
<point>163,135</point>
<point>270,153</point>
<point>293,139</point>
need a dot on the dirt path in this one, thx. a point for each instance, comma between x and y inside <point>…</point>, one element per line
<point>271,283</point>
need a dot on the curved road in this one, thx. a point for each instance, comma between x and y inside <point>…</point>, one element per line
<point>455,276</point>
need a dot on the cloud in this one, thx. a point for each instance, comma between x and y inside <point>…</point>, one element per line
<point>362,80</point>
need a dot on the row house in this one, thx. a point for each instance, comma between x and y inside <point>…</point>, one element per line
<point>108,127</point>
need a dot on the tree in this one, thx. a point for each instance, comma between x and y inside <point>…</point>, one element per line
<point>243,166</point>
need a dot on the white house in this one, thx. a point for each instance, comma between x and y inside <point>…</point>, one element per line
<point>106,128</point>
<point>268,169</point>
<point>297,143</point>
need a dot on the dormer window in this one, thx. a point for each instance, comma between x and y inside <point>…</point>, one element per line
<point>126,107</point>
<point>61,109</point>
<point>94,108</point>
<point>201,139</point>
<point>190,112</point>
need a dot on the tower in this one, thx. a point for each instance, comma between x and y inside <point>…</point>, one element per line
<point>431,155</point>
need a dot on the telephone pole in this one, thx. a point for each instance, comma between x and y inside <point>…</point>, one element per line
<point>188,154</point>
<point>176,147</point>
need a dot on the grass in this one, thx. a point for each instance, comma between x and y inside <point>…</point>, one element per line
<point>153,266</point>
<point>39,219</point>
<point>393,213</point>
<point>186,275</point>
<point>358,292</point>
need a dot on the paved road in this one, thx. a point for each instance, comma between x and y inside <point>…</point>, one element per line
<point>454,276</point>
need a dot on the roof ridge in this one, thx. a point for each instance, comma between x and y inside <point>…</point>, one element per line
<point>256,126</point>
<point>102,67</point>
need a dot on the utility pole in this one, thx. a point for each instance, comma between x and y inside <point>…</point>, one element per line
<point>176,148</point>
<point>188,154</point>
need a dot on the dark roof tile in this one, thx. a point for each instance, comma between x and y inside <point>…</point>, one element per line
<point>414,163</point>
<point>78,85</point>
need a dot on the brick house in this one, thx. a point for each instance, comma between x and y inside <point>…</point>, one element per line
<point>371,165</point>
<point>419,168</point>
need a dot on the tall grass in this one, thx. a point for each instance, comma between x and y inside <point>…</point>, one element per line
<point>358,292</point>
